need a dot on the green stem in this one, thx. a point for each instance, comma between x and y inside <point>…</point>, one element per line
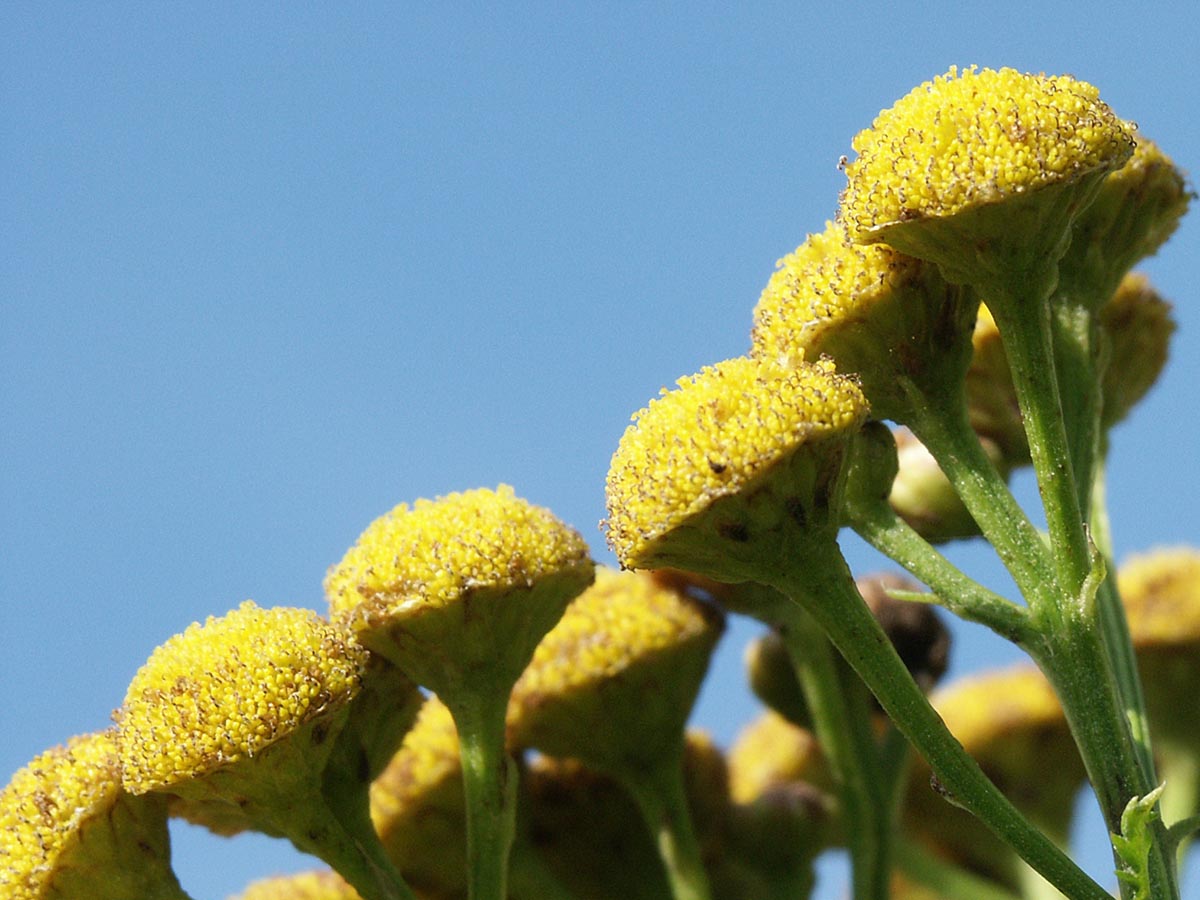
<point>660,795</point>
<point>941,424</point>
<point>878,524</point>
<point>1026,333</point>
<point>529,876</point>
<point>1115,627</point>
<point>842,719</point>
<point>490,788</point>
<point>944,878</point>
<point>817,577</point>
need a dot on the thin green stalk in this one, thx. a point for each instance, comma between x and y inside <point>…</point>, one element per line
<point>818,578</point>
<point>880,527</point>
<point>490,787</point>
<point>841,718</point>
<point>660,795</point>
<point>1115,625</point>
<point>941,424</point>
<point>1026,333</point>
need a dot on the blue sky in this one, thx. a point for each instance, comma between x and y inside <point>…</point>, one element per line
<point>269,271</point>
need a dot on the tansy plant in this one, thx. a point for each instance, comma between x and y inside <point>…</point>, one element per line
<point>969,310</point>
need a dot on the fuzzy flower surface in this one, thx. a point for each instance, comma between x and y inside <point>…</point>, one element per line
<point>973,137</point>
<point>44,807</point>
<point>432,553</point>
<point>826,284</point>
<point>716,433</point>
<point>1161,593</point>
<point>227,689</point>
<point>622,619</point>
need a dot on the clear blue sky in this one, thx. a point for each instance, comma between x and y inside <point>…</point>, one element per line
<point>269,270</point>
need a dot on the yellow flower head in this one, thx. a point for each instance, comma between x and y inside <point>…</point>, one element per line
<point>67,826</point>
<point>725,429</point>
<point>324,885</point>
<point>1161,592</point>
<point>226,690</point>
<point>1138,325</point>
<point>613,682</point>
<point>977,137</point>
<point>771,752</point>
<point>435,552</point>
<point>404,585</point>
<point>885,316</point>
<point>1136,208</point>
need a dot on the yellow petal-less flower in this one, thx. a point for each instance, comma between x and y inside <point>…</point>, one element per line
<point>613,683</point>
<point>457,592</point>
<point>1138,326</point>
<point>226,690</point>
<point>68,830</point>
<point>725,431</point>
<point>982,171</point>
<point>889,318</point>
<point>772,752</point>
<point>405,583</point>
<point>1136,209</point>
<point>244,719</point>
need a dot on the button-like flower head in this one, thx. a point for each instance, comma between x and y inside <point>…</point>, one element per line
<point>872,310</point>
<point>991,159</point>
<point>68,830</point>
<point>407,584</point>
<point>225,691</point>
<point>614,682</point>
<point>732,454</point>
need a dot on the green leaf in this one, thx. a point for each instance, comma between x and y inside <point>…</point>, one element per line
<point>1133,844</point>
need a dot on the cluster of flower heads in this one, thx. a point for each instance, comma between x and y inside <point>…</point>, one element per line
<point>262,718</point>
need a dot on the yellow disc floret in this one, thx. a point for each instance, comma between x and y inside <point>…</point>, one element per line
<point>434,552</point>
<point>771,752</point>
<point>44,807</point>
<point>719,431</point>
<point>624,618</point>
<point>975,137</point>
<point>825,284</point>
<point>227,689</point>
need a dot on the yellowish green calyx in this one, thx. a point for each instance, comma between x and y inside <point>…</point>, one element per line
<point>741,452</point>
<point>69,830</point>
<point>613,683</point>
<point>980,170</point>
<point>322,885</point>
<point>1138,326</point>
<point>406,587</point>
<point>888,317</point>
<point>224,691</point>
<point>418,807</point>
<point>1136,209</point>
